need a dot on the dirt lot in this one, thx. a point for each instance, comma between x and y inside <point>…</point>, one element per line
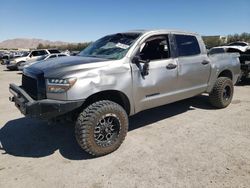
<point>185,144</point>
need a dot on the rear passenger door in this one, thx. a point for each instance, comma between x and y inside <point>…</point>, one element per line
<point>194,65</point>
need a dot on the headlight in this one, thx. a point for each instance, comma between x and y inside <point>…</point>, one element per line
<point>60,85</point>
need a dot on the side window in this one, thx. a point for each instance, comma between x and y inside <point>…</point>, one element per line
<point>61,55</point>
<point>34,53</point>
<point>187,45</point>
<point>232,50</point>
<point>155,48</point>
<point>38,53</point>
<point>42,52</point>
<point>53,51</point>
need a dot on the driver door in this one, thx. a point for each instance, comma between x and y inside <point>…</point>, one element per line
<point>155,88</point>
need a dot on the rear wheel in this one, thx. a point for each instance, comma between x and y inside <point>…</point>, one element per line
<point>101,127</point>
<point>222,93</point>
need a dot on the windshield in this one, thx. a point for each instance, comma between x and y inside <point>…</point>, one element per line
<point>111,46</point>
<point>25,54</point>
<point>54,51</point>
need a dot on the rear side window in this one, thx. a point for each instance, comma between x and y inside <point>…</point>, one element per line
<point>232,50</point>
<point>61,55</point>
<point>53,51</point>
<point>216,51</point>
<point>39,53</point>
<point>187,45</point>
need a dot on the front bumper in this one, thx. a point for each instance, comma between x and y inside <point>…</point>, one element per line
<point>43,109</point>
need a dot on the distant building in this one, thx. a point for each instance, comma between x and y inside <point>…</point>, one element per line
<point>223,39</point>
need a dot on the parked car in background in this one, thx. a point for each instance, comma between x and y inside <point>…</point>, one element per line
<point>244,52</point>
<point>12,57</point>
<point>238,43</point>
<point>40,60</point>
<point>4,55</point>
<point>33,55</point>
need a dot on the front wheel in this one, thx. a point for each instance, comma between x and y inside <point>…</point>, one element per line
<point>222,93</point>
<point>101,127</point>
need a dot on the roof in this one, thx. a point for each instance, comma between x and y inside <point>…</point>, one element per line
<point>162,30</point>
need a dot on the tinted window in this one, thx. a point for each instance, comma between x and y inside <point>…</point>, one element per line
<point>156,47</point>
<point>216,51</point>
<point>38,53</point>
<point>61,55</point>
<point>25,54</point>
<point>187,45</point>
<point>232,50</point>
<point>54,51</point>
<point>237,44</point>
<point>43,52</point>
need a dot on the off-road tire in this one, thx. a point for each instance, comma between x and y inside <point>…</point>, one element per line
<point>216,97</point>
<point>90,117</point>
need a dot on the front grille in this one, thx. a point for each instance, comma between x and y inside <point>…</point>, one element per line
<point>30,86</point>
<point>35,87</point>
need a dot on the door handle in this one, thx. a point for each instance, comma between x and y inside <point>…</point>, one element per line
<point>205,62</point>
<point>171,66</point>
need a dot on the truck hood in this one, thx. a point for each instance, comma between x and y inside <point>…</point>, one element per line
<point>62,66</point>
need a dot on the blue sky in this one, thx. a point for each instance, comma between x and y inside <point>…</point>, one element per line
<point>78,21</point>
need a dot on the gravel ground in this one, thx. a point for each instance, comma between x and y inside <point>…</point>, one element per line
<point>184,144</point>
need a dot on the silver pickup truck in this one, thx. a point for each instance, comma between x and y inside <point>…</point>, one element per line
<point>120,75</point>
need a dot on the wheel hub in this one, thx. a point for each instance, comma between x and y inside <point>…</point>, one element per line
<point>107,130</point>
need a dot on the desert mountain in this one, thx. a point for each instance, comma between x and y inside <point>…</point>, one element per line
<point>28,43</point>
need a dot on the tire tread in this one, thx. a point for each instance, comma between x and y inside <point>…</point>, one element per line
<point>86,120</point>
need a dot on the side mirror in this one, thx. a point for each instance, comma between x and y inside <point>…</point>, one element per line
<point>143,69</point>
<point>136,59</point>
